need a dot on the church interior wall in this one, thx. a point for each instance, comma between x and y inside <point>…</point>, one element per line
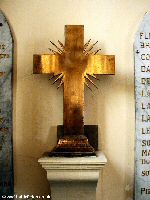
<point>38,105</point>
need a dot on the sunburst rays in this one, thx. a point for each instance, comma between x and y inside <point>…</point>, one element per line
<point>88,50</point>
<point>58,78</point>
<point>88,81</point>
<point>58,50</point>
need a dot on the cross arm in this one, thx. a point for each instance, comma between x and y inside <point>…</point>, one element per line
<point>46,64</point>
<point>101,64</point>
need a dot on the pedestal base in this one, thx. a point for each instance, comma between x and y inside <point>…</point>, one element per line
<point>73,190</point>
<point>73,146</point>
<point>73,178</point>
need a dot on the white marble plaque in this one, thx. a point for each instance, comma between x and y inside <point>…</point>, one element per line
<point>6,59</point>
<point>142,95</point>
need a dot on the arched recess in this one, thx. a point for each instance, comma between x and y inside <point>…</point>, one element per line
<point>6,94</point>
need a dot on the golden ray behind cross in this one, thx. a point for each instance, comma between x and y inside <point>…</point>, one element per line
<point>74,64</point>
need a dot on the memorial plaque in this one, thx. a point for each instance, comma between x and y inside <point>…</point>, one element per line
<point>142,93</point>
<point>6,161</point>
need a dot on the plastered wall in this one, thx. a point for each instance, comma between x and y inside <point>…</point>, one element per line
<point>38,106</point>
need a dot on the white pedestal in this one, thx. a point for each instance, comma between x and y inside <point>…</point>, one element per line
<point>73,178</point>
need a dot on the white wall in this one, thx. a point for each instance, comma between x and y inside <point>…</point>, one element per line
<point>38,104</point>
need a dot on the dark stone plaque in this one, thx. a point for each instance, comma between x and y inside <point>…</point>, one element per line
<point>6,150</point>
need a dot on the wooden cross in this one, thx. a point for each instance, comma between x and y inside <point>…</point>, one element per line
<point>74,64</point>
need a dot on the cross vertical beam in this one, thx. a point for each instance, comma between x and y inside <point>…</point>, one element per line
<point>74,80</point>
<point>73,104</point>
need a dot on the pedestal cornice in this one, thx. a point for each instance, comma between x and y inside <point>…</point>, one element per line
<point>73,169</point>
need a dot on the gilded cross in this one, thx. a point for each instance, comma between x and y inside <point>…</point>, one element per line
<point>74,65</point>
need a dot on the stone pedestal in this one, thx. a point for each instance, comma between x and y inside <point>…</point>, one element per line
<point>73,178</point>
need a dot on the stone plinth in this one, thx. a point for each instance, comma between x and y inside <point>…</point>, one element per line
<point>73,178</point>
